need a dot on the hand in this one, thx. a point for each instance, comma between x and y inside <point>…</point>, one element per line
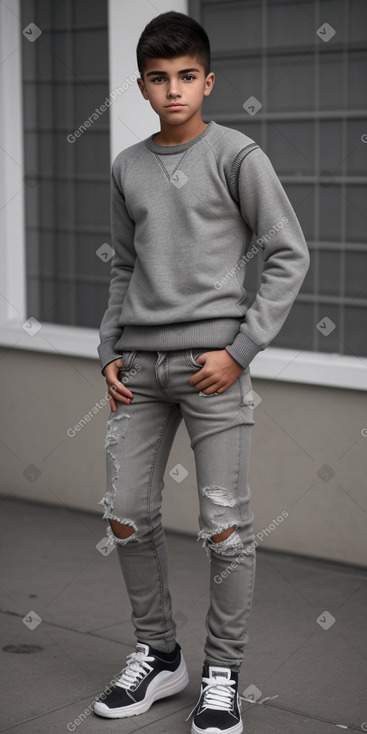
<point>116,389</point>
<point>219,372</point>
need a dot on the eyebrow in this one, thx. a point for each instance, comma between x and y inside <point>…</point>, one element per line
<point>183,71</point>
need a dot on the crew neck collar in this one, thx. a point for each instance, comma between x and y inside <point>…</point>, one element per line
<point>162,149</point>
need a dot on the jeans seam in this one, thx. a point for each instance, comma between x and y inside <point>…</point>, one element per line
<point>149,516</point>
<point>238,469</point>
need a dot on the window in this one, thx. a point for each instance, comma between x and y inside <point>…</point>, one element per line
<point>66,160</point>
<point>306,64</point>
<point>312,124</point>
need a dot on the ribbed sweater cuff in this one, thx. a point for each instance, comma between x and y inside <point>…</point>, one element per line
<point>243,350</point>
<point>106,352</point>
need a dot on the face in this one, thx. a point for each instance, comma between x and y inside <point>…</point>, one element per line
<point>175,87</point>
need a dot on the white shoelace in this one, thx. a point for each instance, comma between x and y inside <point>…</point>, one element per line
<point>217,696</point>
<point>137,667</point>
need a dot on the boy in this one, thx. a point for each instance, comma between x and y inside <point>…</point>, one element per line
<point>185,204</point>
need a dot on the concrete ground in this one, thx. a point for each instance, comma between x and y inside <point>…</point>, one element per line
<point>305,665</point>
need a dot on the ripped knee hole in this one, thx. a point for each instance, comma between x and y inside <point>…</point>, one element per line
<point>224,535</point>
<point>121,530</point>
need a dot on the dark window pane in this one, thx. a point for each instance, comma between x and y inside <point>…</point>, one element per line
<point>235,82</point>
<point>331,75</point>
<point>67,190</point>
<point>287,76</point>
<point>329,329</point>
<point>330,203</point>
<point>356,275</point>
<point>244,30</point>
<point>357,75</point>
<point>355,339</point>
<point>298,331</point>
<point>356,149</point>
<point>331,158</point>
<point>290,147</point>
<point>356,213</point>
<point>311,127</point>
<point>329,273</point>
<point>289,24</point>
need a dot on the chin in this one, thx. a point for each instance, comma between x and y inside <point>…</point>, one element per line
<point>172,119</point>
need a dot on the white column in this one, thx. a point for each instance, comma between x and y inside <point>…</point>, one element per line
<point>131,116</point>
<point>12,220</point>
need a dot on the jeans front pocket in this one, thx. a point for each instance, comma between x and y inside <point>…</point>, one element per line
<point>192,353</point>
<point>128,359</point>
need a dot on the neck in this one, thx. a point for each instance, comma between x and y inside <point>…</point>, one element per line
<point>178,134</point>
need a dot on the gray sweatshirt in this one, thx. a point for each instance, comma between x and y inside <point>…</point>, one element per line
<point>183,221</point>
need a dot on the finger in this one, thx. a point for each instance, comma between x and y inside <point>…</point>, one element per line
<point>120,397</point>
<point>115,387</point>
<point>118,387</point>
<point>112,404</point>
<point>122,389</point>
<point>204,382</point>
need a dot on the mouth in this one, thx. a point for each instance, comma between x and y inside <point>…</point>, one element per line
<point>175,106</point>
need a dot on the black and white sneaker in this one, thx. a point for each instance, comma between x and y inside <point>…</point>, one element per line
<point>219,707</point>
<point>145,679</point>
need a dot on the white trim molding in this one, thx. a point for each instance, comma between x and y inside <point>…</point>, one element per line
<point>274,363</point>
<point>311,368</point>
<point>53,338</point>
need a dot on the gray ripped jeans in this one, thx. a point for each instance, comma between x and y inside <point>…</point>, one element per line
<point>138,443</point>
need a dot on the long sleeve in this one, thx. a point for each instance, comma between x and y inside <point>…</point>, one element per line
<point>122,266</point>
<point>268,212</point>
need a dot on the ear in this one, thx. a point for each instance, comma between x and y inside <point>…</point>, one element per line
<point>209,83</point>
<point>141,85</point>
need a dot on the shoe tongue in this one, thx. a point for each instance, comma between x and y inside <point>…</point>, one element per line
<point>142,648</point>
<point>219,673</point>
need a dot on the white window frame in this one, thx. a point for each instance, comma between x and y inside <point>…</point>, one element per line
<point>291,365</point>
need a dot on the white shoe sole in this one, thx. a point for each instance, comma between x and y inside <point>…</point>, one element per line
<point>237,729</point>
<point>165,684</point>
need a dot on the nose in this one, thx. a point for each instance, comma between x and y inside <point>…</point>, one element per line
<point>173,90</point>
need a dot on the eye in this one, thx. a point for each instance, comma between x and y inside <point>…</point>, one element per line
<point>159,78</point>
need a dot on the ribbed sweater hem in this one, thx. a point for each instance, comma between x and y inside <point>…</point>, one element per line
<point>182,335</point>
<point>220,333</point>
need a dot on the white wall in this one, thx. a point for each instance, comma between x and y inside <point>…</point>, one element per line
<point>298,429</point>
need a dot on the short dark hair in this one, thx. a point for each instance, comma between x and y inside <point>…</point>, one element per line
<point>173,34</point>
